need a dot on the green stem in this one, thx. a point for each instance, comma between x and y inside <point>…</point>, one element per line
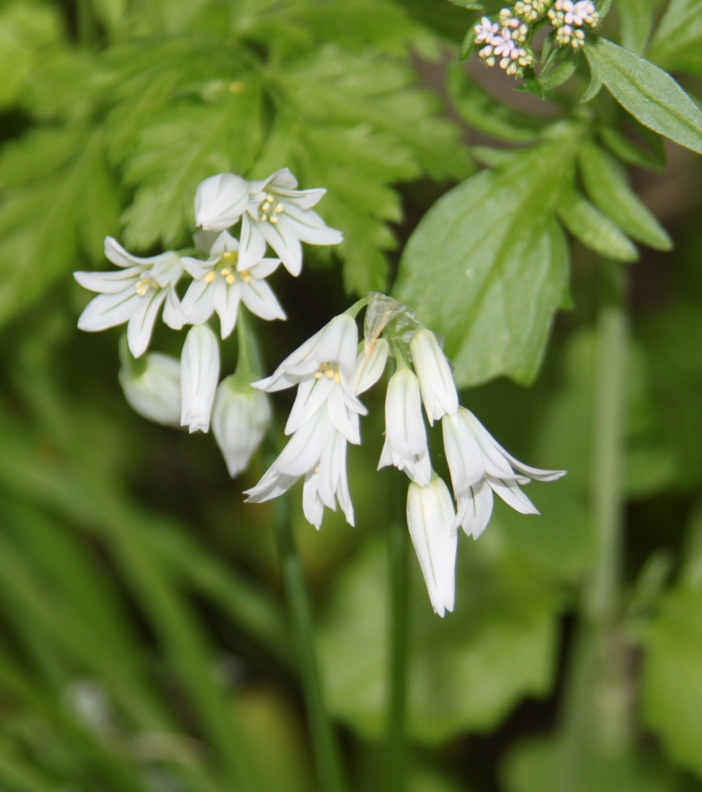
<point>396,747</point>
<point>323,740</point>
<point>596,711</point>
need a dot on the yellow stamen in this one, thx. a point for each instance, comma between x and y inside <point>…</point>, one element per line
<point>225,271</point>
<point>279,208</point>
<point>337,378</point>
<point>245,276</point>
<point>210,277</point>
<point>230,279</point>
<point>273,219</point>
<point>318,375</point>
<point>144,285</point>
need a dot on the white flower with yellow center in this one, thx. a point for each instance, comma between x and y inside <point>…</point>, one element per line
<point>220,287</point>
<point>134,295</point>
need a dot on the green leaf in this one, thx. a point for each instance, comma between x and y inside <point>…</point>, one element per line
<point>180,150</point>
<point>609,191</point>
<point>635,19</point>
<point>466,671</point>
<point>672,677</point>
<point>677,44</point>
<point>647,92</point>
<point>487,114</point>
<point>630,152</point>
<point>560,74</point>
<point>488,264</point>
<point>593,229</point>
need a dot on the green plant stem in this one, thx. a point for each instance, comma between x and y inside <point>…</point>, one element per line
<point>396,747</point>
<point>595,717</point>
<point>324,744</point>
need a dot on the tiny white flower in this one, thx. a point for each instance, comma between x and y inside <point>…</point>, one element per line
<point>151,385</point>
<point>480,466</point>
<point>240,418</point>
<point>218,286</point>
<point>486,30</point>
<point>133,295</point>
<point>432,526</point>
<point>405,444</point>
<point>281,215</point>
<point>434,373</point>
<point>199,372</point>
<point>220,201</point>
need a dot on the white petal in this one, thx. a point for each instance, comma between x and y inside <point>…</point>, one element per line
<point>197,268</point>
<point>259,298</point>
<point>108,310</point>
<point>312,506</point>
<point>370,365</point>
<point>404,425</point>
<point>338,342</point>
<point>463,453</point>
<point>285,243</point>
<point>511,494</point>
<point>282,178</point>
<point>308,226</point>
<point>119,256</point>
<point>474,509</point>
<point>109,282</point>
<point>199,374</point>
<point>198,303</point>
<point>495,462</point>
<point>253,244</point>
<point>430,518</point>
<point>226,299</point>
<point>305,199</point>
<point>173,314</point>
<point>344,421</point>
<point>311,394</point>
<point>220,201</point>
<point>263,269</point>
<point>435,377</point>
<point>141,322</point>
<point>283,377</point>
<point>155,393</point>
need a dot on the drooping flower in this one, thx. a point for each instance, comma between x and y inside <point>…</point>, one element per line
<point>199,372</point>
<point>479,467</point>
<point>240,418</point>
<point>134,295</point>
<point>432,525</point>
<point>405,444</point>
<point>219,286</point>
<point>434,374</point>
<point>151,385</point>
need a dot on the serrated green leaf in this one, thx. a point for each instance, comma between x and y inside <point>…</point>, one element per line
<point>466,671</point>
<point>677,43</point>
<point>609,191</point>
<point>180,150</point>
<point>488,265</point>
<point>672,677</point>
<point>487,114</point>
<point>647,92</point>
<point>635,19</point>
<point>593,229</point>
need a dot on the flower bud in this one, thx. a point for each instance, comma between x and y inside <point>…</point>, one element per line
<point>220,201</point>
<point>151,385</point>
<point>199,372</point>
<point>240,418</point>
<point>434,373</point>
<point>431,521</point>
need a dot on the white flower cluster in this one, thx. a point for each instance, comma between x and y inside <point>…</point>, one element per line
<point>504,43</point>
<point>330,375</point>
<point>569,18</point>
<point>273,213</point>
<point>507,41</point>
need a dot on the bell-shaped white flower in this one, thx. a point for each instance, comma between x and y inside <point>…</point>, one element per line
<point>434,373</point>
<point>151,385</point>
<point>220,287</point>
<point>370,365</point>
<point>220,201</point>
<point>405,434</point>
<point>327,482</point>
<point>479,467</point>
<point>432,526</point>
<point>281,215</point>
<point>199,372</point>
<point>240,418</point>
<point>133,295</point>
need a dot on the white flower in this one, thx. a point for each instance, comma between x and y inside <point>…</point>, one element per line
<point>434,373</point>
<point>370,364</point>
<point>432,526</point>
<point>219,286</point>
<point>486,30</point>
<point>240,418</point>
<point>152,387</point>
<point>199,372</point>
<point>327,482</point>
<point>133,295</point>
<point>479,466</point>
<point>220,201</point>
<point>405,444</point>
<point>281,215</point>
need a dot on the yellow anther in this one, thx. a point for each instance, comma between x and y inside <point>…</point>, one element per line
<point>337,378</point>
<point>318,375</point>
<point>329,373</point>
<point>144,285</point>
<point>270,197</point>
<point>225,271</point>
<point>210,277</point>
<point>266,206</point>
<point>245,276</point>
<point>273,219</point>
<point>279,208</point>
<point>230,279</point>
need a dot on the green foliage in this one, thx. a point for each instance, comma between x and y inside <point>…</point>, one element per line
<point>676,44</point>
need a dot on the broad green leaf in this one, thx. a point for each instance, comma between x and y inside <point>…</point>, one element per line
<point>609,191</point>
<point>487,266</point>
<point>465,671</point>
<point>647,92</point>
<point>486,113</point>
<point>677,44</point>
<point>672,677</point>
<point>635,19</point>
<point>593,229</point>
